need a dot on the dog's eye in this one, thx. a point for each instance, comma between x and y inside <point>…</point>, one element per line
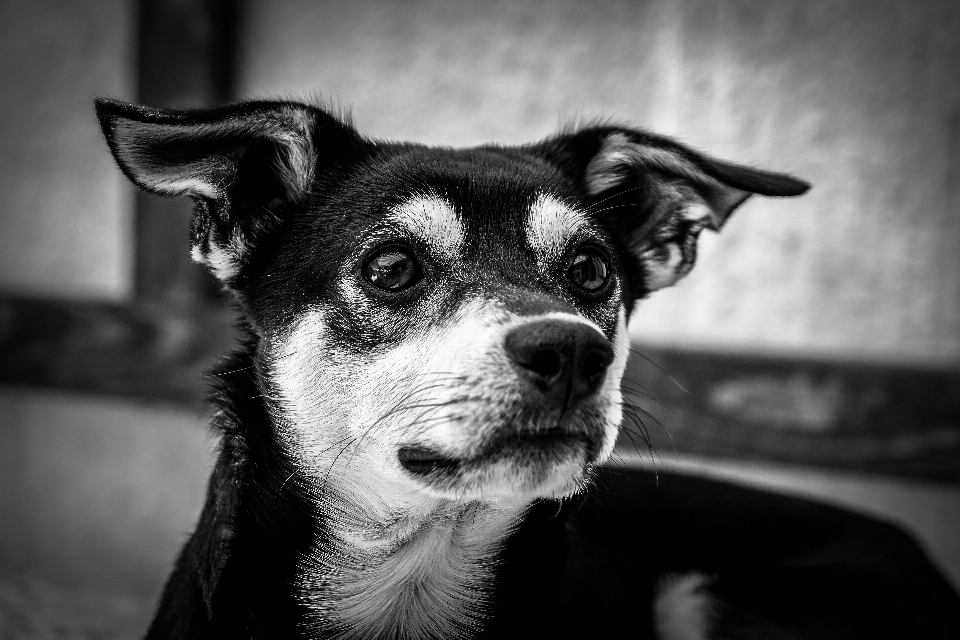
<point>392,269</point>
<point>589,269</point>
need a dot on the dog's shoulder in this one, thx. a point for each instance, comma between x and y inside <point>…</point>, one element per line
<point>678,556</point>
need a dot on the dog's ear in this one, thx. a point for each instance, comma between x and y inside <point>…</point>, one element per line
<point>243,165</point>
<point>657,195</point>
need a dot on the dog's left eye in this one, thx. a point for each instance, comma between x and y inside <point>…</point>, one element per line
<point>589,269</point>
<point>392,269</point>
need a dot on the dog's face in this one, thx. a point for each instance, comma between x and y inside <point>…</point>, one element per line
<point>435,322</point>
<point>467,335</point>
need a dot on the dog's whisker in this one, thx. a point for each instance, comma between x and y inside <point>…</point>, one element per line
<point>616,459</point>
<point>635,410</point>
<point>284,483</point>
<point>639,429</point>
<point>613,207</point>
<point>637,419</point>
<point>226,373</point>
<point>617,194</point>
<point>333,446</point>
<point>642,394</point>
<point>639,354</point>
<point>626,403</point>
<point>632,435</point>
<point>400,406</point>
<point>326,478</point>
<point>416,421</point>
<point>282,356</point>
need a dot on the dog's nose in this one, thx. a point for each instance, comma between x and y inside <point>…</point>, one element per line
<point>565,361</point>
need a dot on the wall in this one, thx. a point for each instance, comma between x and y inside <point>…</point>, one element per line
<point>858,97</point>
<point>65,211</point>
<point>95,491</point>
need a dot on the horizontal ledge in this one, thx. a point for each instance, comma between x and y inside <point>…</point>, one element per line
<point>867,417</point>
<point>145,351</point>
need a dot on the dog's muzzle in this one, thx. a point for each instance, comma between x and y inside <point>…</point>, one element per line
<point>560,365</point>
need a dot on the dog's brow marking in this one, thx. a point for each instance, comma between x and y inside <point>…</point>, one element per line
<point>550,224</point>
<point>434,220</point>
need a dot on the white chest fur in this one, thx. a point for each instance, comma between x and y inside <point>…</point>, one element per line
<point>412,577</point>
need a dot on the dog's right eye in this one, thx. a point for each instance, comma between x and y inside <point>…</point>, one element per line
<point>392,269</point>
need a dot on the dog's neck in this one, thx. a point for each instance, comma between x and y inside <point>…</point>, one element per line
<point>390,563</point>
<point>417,568</point>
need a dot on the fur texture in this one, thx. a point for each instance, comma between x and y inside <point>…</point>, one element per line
<point>430,384</point>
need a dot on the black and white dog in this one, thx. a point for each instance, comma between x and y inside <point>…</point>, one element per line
<point>414,429</point>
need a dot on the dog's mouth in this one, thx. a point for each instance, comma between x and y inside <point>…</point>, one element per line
<point>541,448</point>
<point>423,461</point>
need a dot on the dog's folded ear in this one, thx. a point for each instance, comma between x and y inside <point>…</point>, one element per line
<point>242,164</point>
<point>656,195</point>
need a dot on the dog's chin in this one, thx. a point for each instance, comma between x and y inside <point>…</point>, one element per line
<point>519,467</point>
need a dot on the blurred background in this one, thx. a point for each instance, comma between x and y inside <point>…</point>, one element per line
<point>815,348</point>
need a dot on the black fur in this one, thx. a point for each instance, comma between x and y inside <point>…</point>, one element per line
<point>779,567</point>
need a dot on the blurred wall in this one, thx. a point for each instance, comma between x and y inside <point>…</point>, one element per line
<point>65,211</point>
<point>858,96</point>
<point>96,491</point>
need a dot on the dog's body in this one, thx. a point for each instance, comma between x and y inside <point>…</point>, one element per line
<point>431,381</point>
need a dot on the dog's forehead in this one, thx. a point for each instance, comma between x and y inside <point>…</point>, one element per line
<point>486,198</point>
<point>494,222</point>
<point>546,223</point>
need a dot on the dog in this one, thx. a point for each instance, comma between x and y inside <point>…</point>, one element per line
<point>414,429</point>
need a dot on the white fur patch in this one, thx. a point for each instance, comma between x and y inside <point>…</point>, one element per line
<point>683,609</point>
<point>611,385</point>
<point>400,562</point>
<point>428,583</point>
<point>301,157</point>
<point>550,225</point>
<point>205,176</point>
<point>619,157</point>
<point>445,388</point>
<point>662,270</point>
<point>152,173</point>
<point>699,212</point>
<point>433,220</point>
<point>407,558</point>
<point>404,557</point>
<point>222,260</point>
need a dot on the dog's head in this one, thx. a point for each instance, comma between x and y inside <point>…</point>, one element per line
<point>438,322</point>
